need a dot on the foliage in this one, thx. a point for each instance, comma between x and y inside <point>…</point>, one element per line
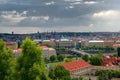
<point>118,51</point>
<point>85,57</point>
<point>115,55</point>
<point>30,64</point>
<point>61,73</point>
<point>53,58</point>
<point>79,78</point>
<point>61,50</point>
<point>106,48</point>
<point>52,74</point>
<point>60,57</point>
<point>6,62</point>
<point>96,60</point>
<point>46,60</point>
<point>107,74</point>
<point>68,59</point>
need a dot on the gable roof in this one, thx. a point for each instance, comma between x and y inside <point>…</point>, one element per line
<point>76,65</point>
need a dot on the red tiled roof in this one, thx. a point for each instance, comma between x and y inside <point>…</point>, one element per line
<point>116,45</point>
<point>76,65</point>
<point>118,59</point>
<point>9,43</point>
<point>44,47</point>
<point>17,51</point>
<point>109,61</point>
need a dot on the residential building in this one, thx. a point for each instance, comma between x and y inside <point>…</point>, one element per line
<point>115,46</point>
<point>110,61</point>
<point>16,52</point>
<point>47,52</point>
<point>12,45</point>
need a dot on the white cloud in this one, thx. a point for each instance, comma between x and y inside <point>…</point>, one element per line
<point>69,7</point>
<point>106,20</point>
<point>73,0</point>
<point>90,2</point>
<point>50,3</point>
<point>13,17</point>
<point>110,14</point>
<point>75,3</point>
<point>40,17</point>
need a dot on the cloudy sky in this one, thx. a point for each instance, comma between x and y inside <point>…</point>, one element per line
<point>28,16</point>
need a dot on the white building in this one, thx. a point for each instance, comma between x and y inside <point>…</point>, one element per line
<point>47,52</point>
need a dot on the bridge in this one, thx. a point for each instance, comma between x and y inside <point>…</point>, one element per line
<point>79,52</point>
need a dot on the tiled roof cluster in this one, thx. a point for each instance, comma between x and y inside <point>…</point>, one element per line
<point>76,65</point>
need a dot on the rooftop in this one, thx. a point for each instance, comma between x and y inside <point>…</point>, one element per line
<point>116,45</point>
<point>43,47</point>
<point>17,51</point>
<point>10,43</point>
<point>76,65</point>
<point>93,41</point>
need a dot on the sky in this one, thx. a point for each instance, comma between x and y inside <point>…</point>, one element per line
<point>30,16</point>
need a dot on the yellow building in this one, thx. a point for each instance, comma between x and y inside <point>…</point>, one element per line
<point>99,43</point>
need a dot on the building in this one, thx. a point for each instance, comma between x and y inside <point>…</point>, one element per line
<point>12,45</point>
<point>50,43</point>
<point>16,52</point>
<point>65,43</point>
<point>47,52</point>
<point>110,61</point>
<point>115,46</point>
<point>78,67</point>
<point>98,43</point>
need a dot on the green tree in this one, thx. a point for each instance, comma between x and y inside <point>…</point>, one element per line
<point>118,51</point>
<point>6,62</point>
<point>46,60</point>
<point>52,74</point>
<point>104,75</point>
<point>30,64</point>
<point>96,60</point>
<point>78,78</point>
<point>53,58</point>
<point>60,57</point>
<point>61,73</point>
<point>85,57</point>
<point>68,59</point>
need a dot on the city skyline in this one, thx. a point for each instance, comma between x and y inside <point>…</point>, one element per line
<point>59,15</point>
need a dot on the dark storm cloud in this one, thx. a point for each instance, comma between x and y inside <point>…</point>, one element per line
<point>57,13</point>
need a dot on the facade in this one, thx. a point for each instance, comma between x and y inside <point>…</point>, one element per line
<point>17,52</point>
<point>47,52</point>
<point>65,43</point>
<point>48,43</point>
<point>99,43</point>
<point>115,46</point>
<point>12,45</point>
<point>45,42</point>
<point>78,67</point>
